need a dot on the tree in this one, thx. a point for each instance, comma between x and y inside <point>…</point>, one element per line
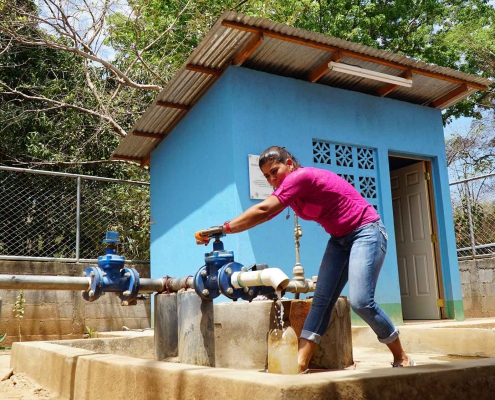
<point>119,54</point>
<point>471,156</point>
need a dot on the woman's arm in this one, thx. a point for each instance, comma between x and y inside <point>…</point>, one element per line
<point>253,216</point>
<point>256,215</point>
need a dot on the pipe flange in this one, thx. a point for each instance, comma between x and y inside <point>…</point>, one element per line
<point>226,287</point>
<point>132,284</point>
<point>95,274</point>
<point>206,286</point>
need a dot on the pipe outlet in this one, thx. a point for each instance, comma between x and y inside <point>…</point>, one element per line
<point>273,277</point>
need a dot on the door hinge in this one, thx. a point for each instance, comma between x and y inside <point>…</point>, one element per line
<point>433,238</point>
<point>440,303</point>
<point>427,176</point>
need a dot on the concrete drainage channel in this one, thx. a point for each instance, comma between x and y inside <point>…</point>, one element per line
<point>84,369</point>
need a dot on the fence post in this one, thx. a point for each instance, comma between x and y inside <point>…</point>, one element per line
<point>470,218</point>
<point>78,216</point>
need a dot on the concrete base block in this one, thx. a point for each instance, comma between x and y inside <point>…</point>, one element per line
<point>335,350</point>
<point>196,333</point>
<point>241,333</point>
<point>77,374</point>
<point>166,326</point>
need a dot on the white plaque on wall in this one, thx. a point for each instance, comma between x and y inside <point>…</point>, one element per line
<point>259,189</point>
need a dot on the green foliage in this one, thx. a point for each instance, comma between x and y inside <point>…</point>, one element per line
<point>91,332</point>
<point>19,309</point>
<point>469,156</point>
<point>2,337</point>
<point>65,105</point>
<point>151,40</point>
<point>434,31</point>
<point>19,305</point>
<point>121,208</point>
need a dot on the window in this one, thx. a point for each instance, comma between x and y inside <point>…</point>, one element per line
<point>357,165</point>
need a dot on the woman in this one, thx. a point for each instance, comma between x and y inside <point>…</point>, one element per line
<point>354,254</point>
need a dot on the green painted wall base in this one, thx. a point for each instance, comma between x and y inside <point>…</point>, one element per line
<point>393,310</point>
<point>454,309</point>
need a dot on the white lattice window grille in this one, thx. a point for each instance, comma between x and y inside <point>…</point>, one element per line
<point>357,165</point>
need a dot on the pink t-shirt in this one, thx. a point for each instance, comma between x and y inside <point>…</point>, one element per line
<point>322,196</point>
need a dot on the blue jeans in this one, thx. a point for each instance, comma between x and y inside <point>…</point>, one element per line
<point>357,258</point>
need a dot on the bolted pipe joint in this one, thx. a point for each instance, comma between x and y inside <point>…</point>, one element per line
<point>226,287</point>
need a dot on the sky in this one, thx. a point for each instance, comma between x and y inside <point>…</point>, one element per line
<point>459,125</point>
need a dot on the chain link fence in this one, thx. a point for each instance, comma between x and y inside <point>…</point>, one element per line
<point>473,204</point>
<point>57,216</point>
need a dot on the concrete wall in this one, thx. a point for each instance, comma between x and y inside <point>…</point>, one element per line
<point>199,173</point>
<point>478,287</point>
<point>51,315</point>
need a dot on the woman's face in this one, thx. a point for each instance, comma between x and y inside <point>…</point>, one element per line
<point>275,172</point>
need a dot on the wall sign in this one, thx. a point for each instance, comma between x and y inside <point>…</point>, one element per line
<point>259,189</point>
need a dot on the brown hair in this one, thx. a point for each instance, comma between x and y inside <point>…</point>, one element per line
<point>279,154</point>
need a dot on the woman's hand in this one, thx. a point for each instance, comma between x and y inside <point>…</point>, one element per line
<point>203,236</point>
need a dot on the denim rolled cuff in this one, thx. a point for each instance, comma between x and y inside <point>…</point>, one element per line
<point>395,334</point>
<point>311,336</point>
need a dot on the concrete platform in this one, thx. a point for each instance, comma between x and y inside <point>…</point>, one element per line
<point>75,373</point>
<point>469,338</point>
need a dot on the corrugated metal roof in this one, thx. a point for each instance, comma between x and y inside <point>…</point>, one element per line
<point>290,52</point>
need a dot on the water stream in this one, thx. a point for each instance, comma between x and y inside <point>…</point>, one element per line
<point>282,344</point>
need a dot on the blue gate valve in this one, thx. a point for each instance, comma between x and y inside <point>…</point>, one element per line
<point>111,276</point>
<point>214,278</point>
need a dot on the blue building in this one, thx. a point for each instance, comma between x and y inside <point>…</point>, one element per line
<point>371,116</point>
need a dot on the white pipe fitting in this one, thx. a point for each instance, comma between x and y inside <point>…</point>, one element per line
<point>273,277</point>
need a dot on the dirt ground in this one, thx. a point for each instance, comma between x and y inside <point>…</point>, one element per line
<point>18,386</point>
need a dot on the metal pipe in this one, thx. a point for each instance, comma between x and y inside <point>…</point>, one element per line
<point>268,277</point>
<point>470,218</point>
<point>300,286</point>
<point>37,282</point>
<point>472,179</point>
<point>78,216</point>
<point>69,260</point>
<point>40,282</point>
<point>298,270</point>
<point>167,284</point>
<point>89,177</point>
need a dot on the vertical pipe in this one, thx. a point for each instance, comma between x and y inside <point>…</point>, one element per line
<point>78,216</point>
<point>470,218</point>
<point>298,270</point>
<point>297,234</point>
